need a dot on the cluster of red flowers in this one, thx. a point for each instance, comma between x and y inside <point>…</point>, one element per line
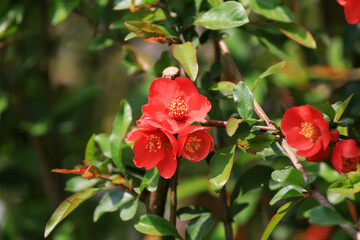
<point>305,129</point>
<point>352,10</point>
<point>173,106</point>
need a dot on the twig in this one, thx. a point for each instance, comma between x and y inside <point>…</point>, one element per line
<point>315,193</point>
<point>225,214</point>
<point>158,198</point>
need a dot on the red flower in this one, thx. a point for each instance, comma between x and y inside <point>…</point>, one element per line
<point>195,143</point>
<point>305,129</point>
<point>352,10</point>
<point>175,104</point>
<point>154,147</point>
<point>345,156</point>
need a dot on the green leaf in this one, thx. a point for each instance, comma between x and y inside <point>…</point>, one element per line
<point>111,202</point>
<point>149,180</point>
<point>272,9</point>
<point>60,9</point>
<point>287,192</point>
<point>282,211</point>
<point>78,183</point>
<point>191,212</point>
<point>155,225</point>
<point>220,167</point>
<point>120,126</point>
<point>297,33</point>
<point>125,4</point>
<point>214,3</point>
<point>199,227</point>
<point>325,216</point>
<point>90,150</point>
<point>260,142</point>
<point>225,88</point>
<point>288,175</point>
<point>103,140</point>
<point>128,209</point>
<point>271,70</point>
<point>144,30</point>
<point>347,186</point>
<point>226,15</point>
<point>232,125</point>
<point>326,109</point>
<point>253,178</point>
<point>101,42</point>
<point>244,100</point>
<point>67,206</point>
<point>186,55</point>
<point>341,109</point>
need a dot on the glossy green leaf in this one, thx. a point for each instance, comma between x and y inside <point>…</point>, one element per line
<point>191,212</point>
<point>214,3</point>
<point>288,175</point>
<point>340,110</point>
<point>144,30</point>
<point>155,225</point>
<point>260,142</point>
<point>272,9</point>
<point>297,33</point>
<point>149,180</point>
<point>226,15</point>
<point>199,227</point>
<point>325,216</point>
<point>225,88</point>
<point>103,140</point>
<point>244,100</point>
<point>90,150</point>
<point>128,209</point>
<point>111,202</point>
<point>186,55</point>
<point>326,109</point>
<point>287,192</point>
<point>253,178</point>
<point>60,9</point>
<point>271,70</point>
<point>220,167</point>
<point>283,210</point>
<point>232,125</point>
<point>120,126</point>
<point>79,183</point>
<point>347,186</point>
<point>67,206</point>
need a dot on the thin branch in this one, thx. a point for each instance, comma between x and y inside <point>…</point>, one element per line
<point>292,156</point>
<point>225,214</point>
<point>173,197</point>
<point>218,123</point>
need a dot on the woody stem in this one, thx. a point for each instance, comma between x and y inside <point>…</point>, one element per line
<point>315,193</point>
<point>173,197</point>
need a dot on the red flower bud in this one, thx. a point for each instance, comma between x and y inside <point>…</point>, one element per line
<point>352,10</point>
<point>345,156</point>
<point>305,129</point>
<point>334,135</point>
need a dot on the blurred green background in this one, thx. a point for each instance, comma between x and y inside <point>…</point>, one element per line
<point>63,74</point>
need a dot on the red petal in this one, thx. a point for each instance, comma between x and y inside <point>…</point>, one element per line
<point>297,140</point>
<point>164,90</point>
<point>342,2</point>
<point>336,158</point>
<point>206,145</point>
<point>199,107</point>
<point>168,165</point>
<point>319,156</point>
<point>186,85</point>
<point>317,147</point>
<point>334,135</point>
<point>349,148</point>
<point>144,158</point>
<point>352,11</point>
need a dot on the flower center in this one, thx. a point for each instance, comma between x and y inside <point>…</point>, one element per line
<point>155,141</point>
<point>310,131</point>
<point>349,163</point>
<point>178,108</point>
<point>192,143</point>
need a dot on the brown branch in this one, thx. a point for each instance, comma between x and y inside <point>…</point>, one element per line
<point>218,123</point>
<point>315,193</point>
<point>158,198</point>
<point>173,197</point>
<point>225,214</point>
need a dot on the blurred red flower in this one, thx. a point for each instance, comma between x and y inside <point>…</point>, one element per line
<point>345,156</point>
<point>154,147</point>
<point>175,104</point>
<point>352,10</point>
<point>305,129</point>
<point>195,143</point>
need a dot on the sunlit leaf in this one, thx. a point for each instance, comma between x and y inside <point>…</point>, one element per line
<point>90,150</point>
<point>244,100</point>
<point>191,212</point>
<point>226,15</point>
<point>271,70</point>
<point>144,30</point>
<point>260,142</point>
<point>288,176</point>
<point>155,225</point>
<point>60,9</point>
<point>67,206</point>
<point>287,192</point>
<point>282,211</point>
<point>78,183</point>
<point>297,33</point>
<point>220,167</point>
<point>272,9</point>
<point>103,140</point>
<point>101,42</point>
<point>199,227</point>
<point>120,126</point>
<point>347,186</point>
<point>340,109</point>
<point>186,55</point>
<point>232,125</point>
<point>128,209</point>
